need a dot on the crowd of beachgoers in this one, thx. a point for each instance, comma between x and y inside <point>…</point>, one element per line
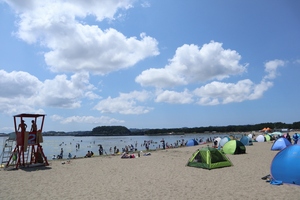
<point>160,145</point>
<point>162,174</point>
<point>131,148</point>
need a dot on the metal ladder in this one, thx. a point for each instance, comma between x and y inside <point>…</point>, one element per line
<point>7,151</point>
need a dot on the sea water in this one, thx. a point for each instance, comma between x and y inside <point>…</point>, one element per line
<point>52,145</point>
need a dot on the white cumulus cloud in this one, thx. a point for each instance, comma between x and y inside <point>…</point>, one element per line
<point>192,64</point>
<point>23,92</point>
<point>71,44</point>
<point>64,93</point>
<point>125,103</point>
<point>271,68</point>
<point>216,93</point>
<point>174,97</point>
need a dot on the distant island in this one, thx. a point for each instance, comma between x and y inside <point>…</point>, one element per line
<point>123,131</point>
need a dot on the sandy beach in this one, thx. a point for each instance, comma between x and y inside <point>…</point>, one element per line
<point>163,175</point>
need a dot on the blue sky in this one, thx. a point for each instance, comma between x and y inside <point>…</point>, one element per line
<point>149,63</point>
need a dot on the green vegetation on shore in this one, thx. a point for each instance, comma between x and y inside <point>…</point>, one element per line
<point>123,131</point>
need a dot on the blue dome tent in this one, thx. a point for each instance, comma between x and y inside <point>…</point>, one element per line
<point>280,144</point>
<point>192,142</point>
<point>285,165</point>
<point>246,141</point>
<point>223,141</point>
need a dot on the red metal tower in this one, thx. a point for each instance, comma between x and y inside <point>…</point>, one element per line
<point>28,151</point>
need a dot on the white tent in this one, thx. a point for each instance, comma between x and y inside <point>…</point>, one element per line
<point>223,141</point>
<point>260,138</point>
<point>218,139</point>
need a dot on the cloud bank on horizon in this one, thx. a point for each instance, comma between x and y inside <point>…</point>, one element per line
<point>100,68</point>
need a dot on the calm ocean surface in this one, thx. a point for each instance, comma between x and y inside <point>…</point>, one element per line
<point>53,144</point>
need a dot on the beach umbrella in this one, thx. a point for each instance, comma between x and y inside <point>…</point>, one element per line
<point>250,135</point>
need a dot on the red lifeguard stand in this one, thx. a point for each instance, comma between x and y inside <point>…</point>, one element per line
<point>28,151</point>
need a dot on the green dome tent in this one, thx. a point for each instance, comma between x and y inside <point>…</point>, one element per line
<point>209,158</point>
<point>268,138</point>
<point>234,147</point>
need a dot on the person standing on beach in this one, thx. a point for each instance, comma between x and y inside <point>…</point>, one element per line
<point>100,150</point>
<point>15,157</point>
<point>163,144</point>
<point>288,137</point>
<point>295,138</point>
<point>22,126</point>
<point>61,153</point>
<point>33,126</point>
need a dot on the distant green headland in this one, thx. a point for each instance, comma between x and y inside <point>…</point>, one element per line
<point>123,131</point>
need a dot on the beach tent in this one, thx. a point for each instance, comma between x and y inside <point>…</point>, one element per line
<point>266,129</point>
<point>268,138</point>
<point>218,139</point>
<point>285,165</point>
<point>208,158</point>
<point>280,144</point>
<point>246,140</point>
<point>250,135</point>
<point>191,142</point>
<point>260,138</point>
<point>223,141</point>
<point>276,134</point>
<point>234,147</point>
